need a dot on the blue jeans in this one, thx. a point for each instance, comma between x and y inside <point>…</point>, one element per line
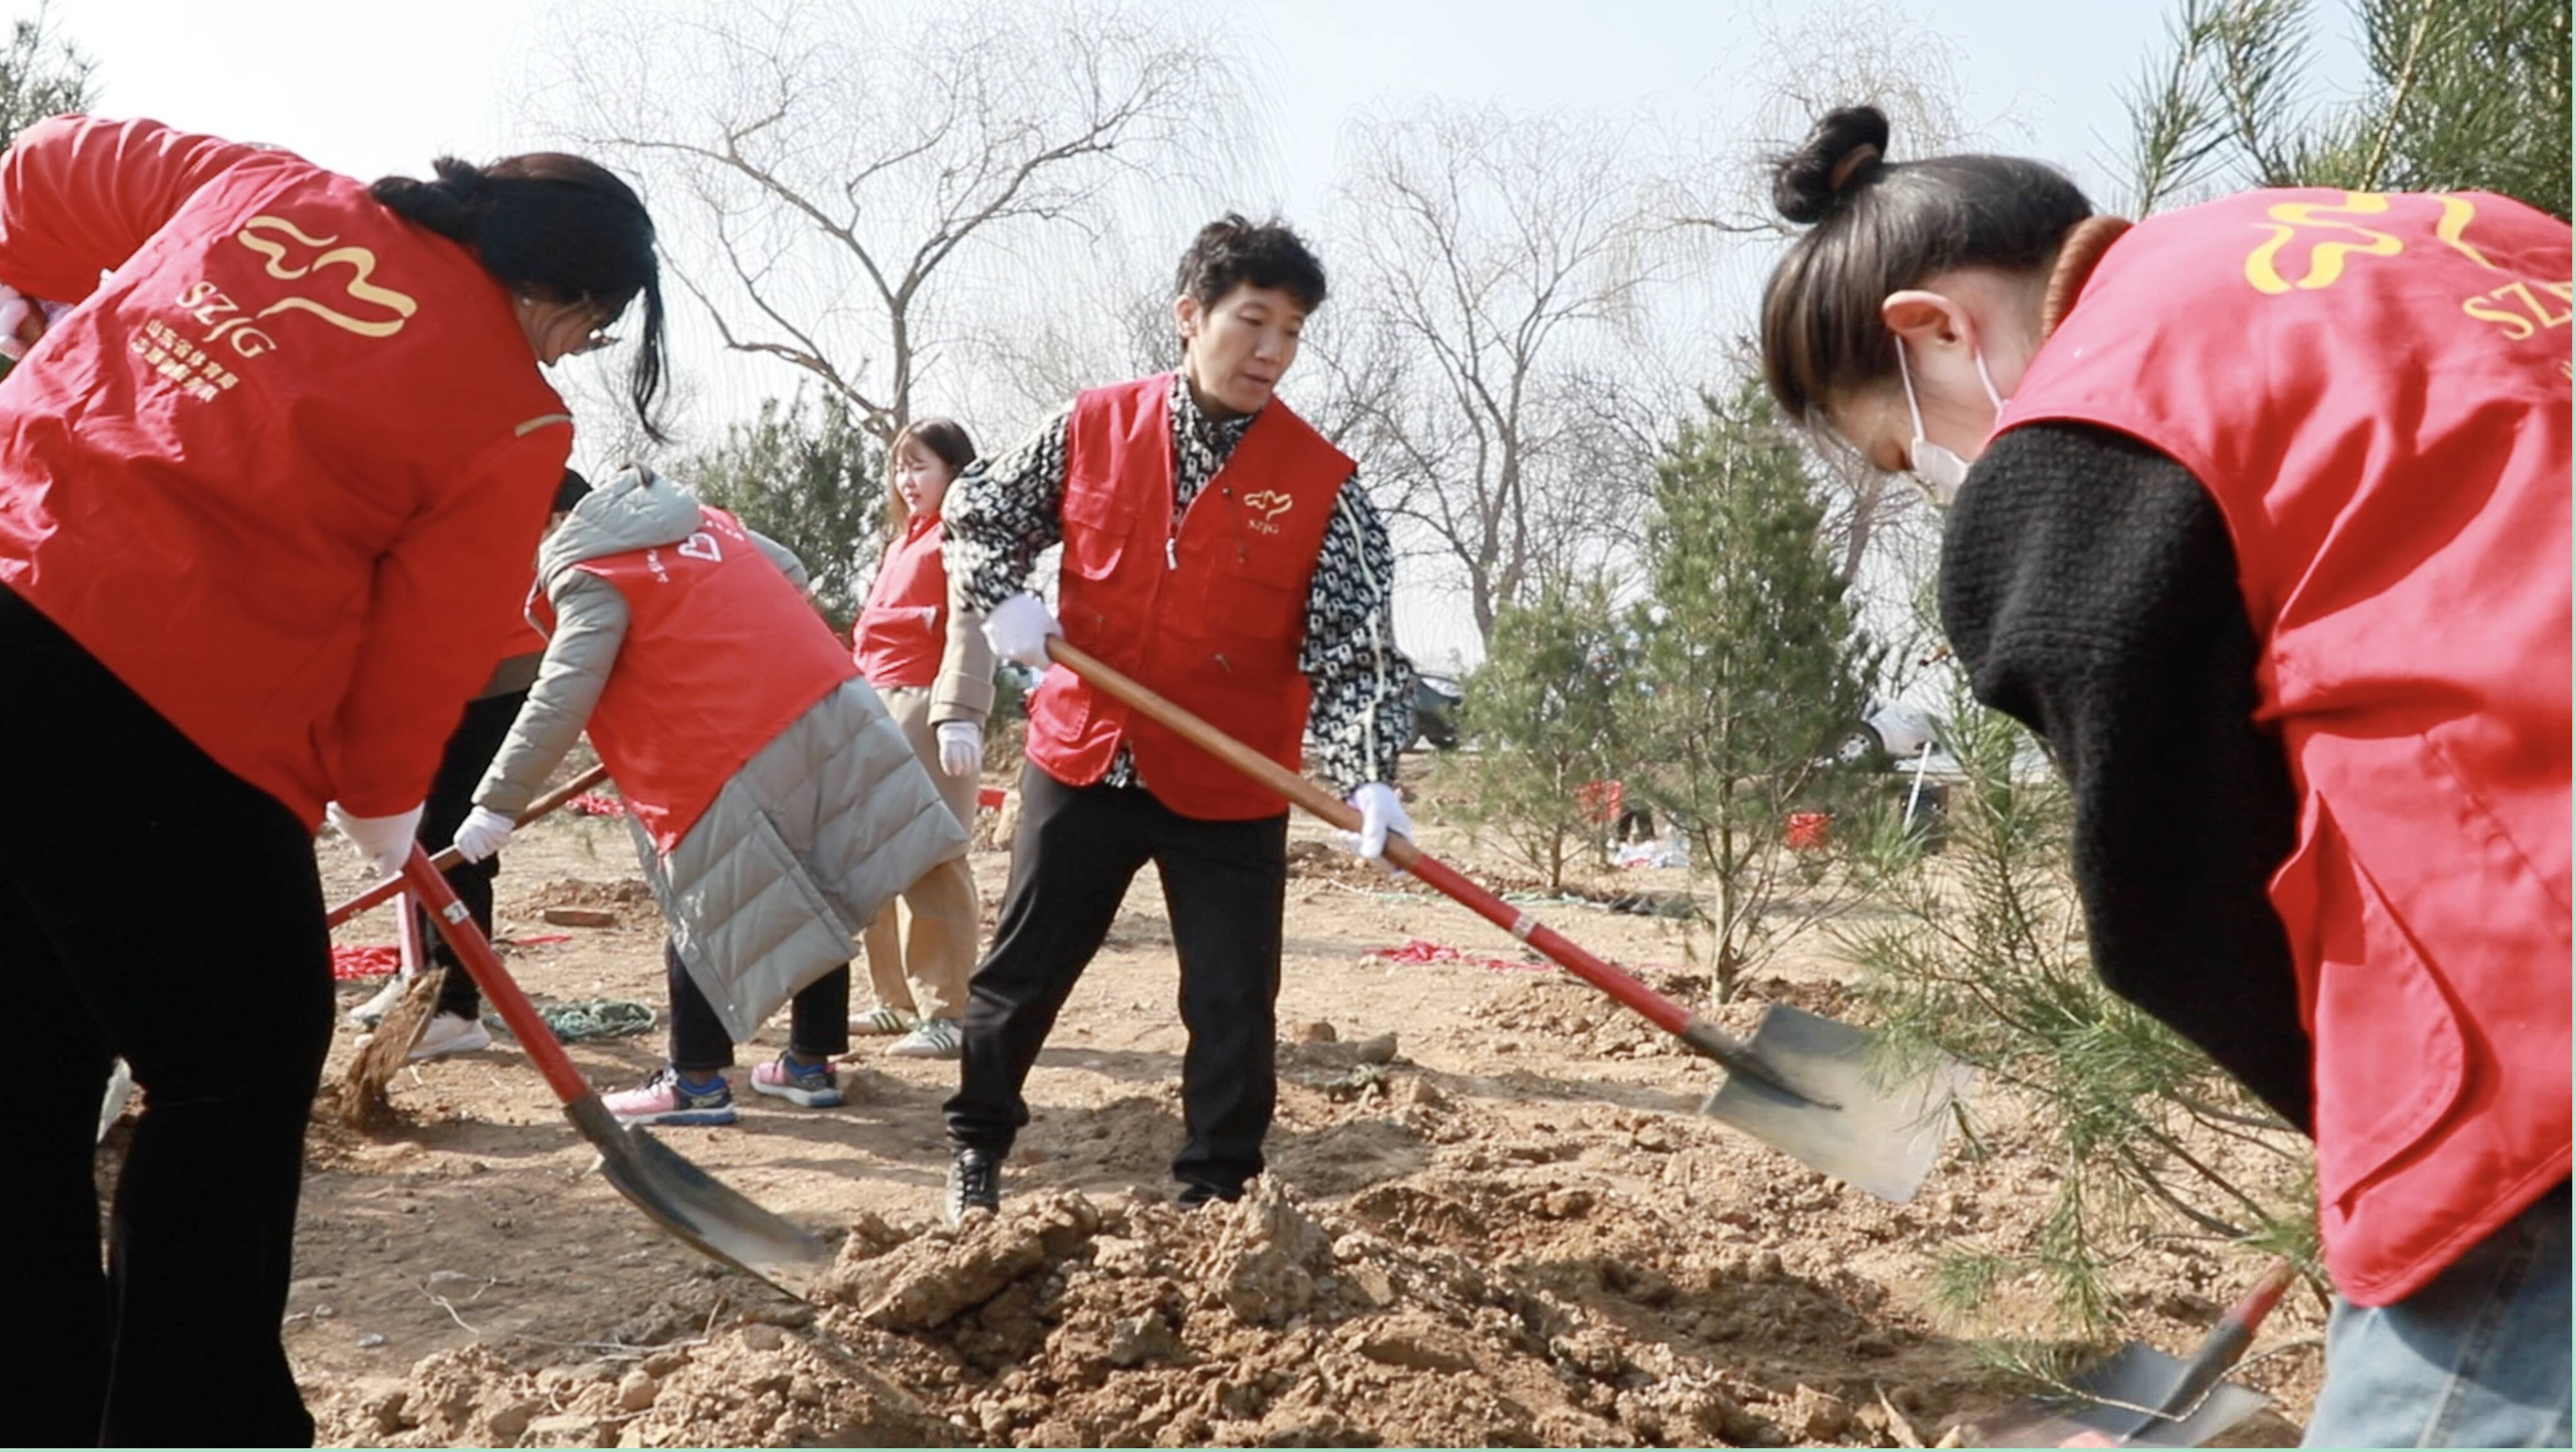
<point>2478,1358</point>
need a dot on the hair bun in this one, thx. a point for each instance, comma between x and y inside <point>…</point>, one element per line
<point>463,179</point>
<point>1839,155</point>
<point>447,206</point>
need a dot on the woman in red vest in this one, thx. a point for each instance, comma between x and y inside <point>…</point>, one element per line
<point>775,807</point>
<point>267,497</point>
<point>1221,551</point>
<point>2261,518</point>
<point>918,960</point>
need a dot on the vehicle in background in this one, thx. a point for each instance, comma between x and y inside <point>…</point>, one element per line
<point>1436,700</point>
<point>1890,734</point>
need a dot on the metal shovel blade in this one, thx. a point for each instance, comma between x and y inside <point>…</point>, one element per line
<point>694,1205</point>
<point>2134,1377</point>
<point>1879,1137</point>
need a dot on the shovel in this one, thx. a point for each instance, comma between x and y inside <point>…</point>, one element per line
<point>448,857</point>
<point>676,1194</point>
<point>1804,1085</point>
<point>2140,1397</point>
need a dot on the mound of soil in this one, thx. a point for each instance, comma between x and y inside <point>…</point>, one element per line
<point>1402,1319</point>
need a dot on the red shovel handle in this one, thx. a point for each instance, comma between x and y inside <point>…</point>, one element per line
<point>1667,1015</point>
<point>423,879</point>
<point>447,856</point>
<point>2227,1341</point>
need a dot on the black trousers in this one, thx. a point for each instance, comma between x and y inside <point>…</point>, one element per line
<point>478,738</point>
<point>818,1025</point>
<point>155,906</point>
<point>1225,886</point>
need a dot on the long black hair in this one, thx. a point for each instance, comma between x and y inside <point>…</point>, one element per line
<point>557,227</point>
<point>1877,227</point>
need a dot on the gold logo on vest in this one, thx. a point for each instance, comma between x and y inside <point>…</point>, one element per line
<point>2291,220</point>
<point>1267,505</point>
<point>260,234</point>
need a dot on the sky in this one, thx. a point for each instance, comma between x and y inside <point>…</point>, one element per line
<point>374,88</point>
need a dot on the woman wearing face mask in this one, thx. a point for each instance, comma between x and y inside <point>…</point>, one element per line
<point>268,494</point>
<point>2263,524</point>
<point>920,950</point>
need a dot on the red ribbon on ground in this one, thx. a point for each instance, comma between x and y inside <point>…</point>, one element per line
<point>352,962</point>
<point>1421,950</point>
<point>366,960</point>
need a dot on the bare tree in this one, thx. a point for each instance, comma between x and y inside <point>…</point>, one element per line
<point>1838,53</point>
<point>1883,534</point>
<point>1506,260</point>
<point>1108,316</point>
<point>852,177</point>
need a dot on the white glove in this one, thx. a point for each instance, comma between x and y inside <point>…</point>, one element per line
<point>23,320</point>
<point>961,748</point>
<point>482,834</point>
<point>1381,812</point>
<point>16,308</point>
<point>385,841</point>
<point>1018,629</point>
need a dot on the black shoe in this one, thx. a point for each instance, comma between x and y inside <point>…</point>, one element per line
<point>974,1183</point>
<point>1193,1195</point>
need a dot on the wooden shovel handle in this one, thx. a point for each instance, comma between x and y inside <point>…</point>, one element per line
<point>448,858</point>
<point>1667,1015</point>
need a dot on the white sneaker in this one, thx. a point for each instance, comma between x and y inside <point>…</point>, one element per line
<point>120,1088</point>
<point>884,1022</point>
<point>450,1033</point>
<point>372,1012</point>
<point>937,1038</point>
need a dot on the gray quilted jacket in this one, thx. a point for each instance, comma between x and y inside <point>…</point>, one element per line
<point>768,891</point>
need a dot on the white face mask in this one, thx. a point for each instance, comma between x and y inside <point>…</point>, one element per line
<point>1941,471</point>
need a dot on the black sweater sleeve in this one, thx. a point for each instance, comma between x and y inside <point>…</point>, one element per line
<point>2090,588</point>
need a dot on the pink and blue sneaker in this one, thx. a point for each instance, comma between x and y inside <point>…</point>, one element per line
<point>671,1098</point>
<point>811,1086</point>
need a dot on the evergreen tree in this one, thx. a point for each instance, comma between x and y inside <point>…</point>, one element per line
<point>814,480</point>
<point>1544,711</point>
<point>1752,672</point>
<point>1982,956</point>
<point>2462,95</point>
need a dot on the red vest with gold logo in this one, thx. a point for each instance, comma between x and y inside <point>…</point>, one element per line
<point>283,470</point>
<point>722,653</point>
<point>2375,390</point>
<point>1210,613</point>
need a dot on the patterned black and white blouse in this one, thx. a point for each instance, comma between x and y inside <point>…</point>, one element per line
<point>1006,508</point>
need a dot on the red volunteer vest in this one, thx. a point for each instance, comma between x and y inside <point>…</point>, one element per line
<point>721,655</point>
<point>1211,615</point>
<point>2375,389</point>
<point>204,466</point>
<point>902,633</point>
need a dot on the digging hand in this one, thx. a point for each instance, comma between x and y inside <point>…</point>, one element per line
<point>386,841</point>
<point>1018,630</point>
<point>1381,812</point>
<point>482,834</point>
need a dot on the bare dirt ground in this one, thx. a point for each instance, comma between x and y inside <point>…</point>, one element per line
<point>1494,1217</point>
